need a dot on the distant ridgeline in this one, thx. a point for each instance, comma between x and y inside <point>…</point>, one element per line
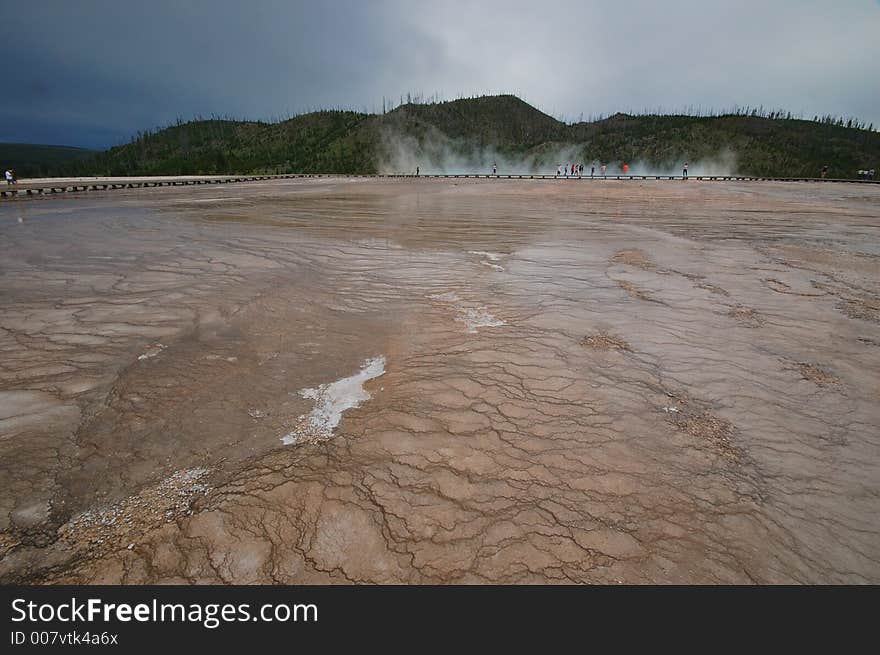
<point>470,135</point>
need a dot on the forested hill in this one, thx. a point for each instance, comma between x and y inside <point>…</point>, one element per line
<point>33,160</point>
<point>469,133</point>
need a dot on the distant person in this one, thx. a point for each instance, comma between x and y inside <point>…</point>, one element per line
<point>871,174</point>
<point>494,168</point>
<point>558,170</point>
<point>824,172</point>
<point>592,170</point>
<point>684,171</point>
<point>626,169</point>
<point>417,171</point>
<point>573,167</point>
<point>10,176</point>
<point>603,170</point>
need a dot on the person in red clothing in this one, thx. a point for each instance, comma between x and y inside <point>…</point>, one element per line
<point>626,169</point>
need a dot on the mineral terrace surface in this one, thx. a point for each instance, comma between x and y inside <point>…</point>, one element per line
<point>420,381</point>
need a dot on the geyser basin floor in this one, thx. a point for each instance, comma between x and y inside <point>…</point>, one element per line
<point>674,382</point>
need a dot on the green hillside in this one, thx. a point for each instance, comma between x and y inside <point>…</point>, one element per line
<point>761,146</point>
<point>309,142</point>
<point>471,134</point>
<point>502,121</point>
<point>30,160</point>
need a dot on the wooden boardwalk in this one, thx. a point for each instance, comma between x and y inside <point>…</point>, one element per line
<point>38,188</point>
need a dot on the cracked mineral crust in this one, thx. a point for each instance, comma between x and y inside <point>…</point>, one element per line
<point>428,381</point>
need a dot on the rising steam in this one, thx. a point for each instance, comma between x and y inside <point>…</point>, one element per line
<point>436,153</point>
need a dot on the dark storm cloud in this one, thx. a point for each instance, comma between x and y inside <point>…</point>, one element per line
<point>93,73</point>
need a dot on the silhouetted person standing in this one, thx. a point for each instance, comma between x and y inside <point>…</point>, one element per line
<point>684,171</point>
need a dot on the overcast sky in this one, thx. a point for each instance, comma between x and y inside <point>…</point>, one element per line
<point>89,73</point>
